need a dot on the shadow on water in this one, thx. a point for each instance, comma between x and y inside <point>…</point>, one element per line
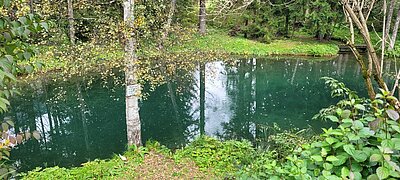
<point>81,122</point>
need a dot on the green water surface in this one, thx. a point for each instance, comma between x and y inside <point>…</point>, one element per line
<point>80,122</point>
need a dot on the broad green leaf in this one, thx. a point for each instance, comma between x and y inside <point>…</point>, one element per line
<point>331,158</point>
<point>349,148</point>
<point>331,140</point>
<point>360,156</point>
<point>345,172</point>
<point>388,143</point>
<point>373,177</point>
<point>360,107</point>
<point>317,158</point>
<point>346,114</point>
<point>332,118</point>
<point>382,172</point>
<point>358,124</point>
<point>327,166</point>
<point>375,158</point>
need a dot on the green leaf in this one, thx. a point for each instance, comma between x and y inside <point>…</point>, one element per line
<point>346,114</point>
<point>358,124</point>
<point>331,140</point>
<point>349,148</point>
<point>382,172</point>
<point>375,158</point>
<point>373,177</point>
<point>359,107</point>
<point>332,118</point>
<point>342,159</point>
<point>360,156</point>
<point>396,142</point>
<point>345,172</point>
<point>327,166</point>
<point>332,158</point>
<point>392,114</point>
<point>388,143</point>
<point>352,137</point>
<point>317,158</point>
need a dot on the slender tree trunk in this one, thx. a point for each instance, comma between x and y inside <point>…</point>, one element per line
<point>389,18</point>
<point>351,30</point>
<point>287,15</point>
<point>384,34</point>
<point>395,30</point>
<point>202,17</point>
<point>202,99</point>
<point>133,127</point>
<point>71,21</point>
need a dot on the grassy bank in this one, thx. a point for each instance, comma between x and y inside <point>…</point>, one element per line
<point>64,57</point>
<point>150,162</point>
<point>219,41</point>
<point>204,158</point>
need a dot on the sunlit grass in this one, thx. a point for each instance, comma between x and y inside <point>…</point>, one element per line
<point>240,46</point>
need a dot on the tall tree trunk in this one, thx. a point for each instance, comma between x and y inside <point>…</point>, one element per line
<point>351,31</point>
<point>71,22</point>
<point>389,18</point>
<point>202,98</point>
<point>395,29</point>
<point>287,16</point>
<point>133,128</point>
<point>202,17</point>
<point>384,37</point>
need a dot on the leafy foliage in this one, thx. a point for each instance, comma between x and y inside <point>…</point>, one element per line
<point>223,157</point>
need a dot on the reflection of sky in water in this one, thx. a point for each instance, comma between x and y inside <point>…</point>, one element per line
<point>217,102</point>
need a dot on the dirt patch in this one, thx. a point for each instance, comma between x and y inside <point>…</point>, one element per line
<point>158,166</point>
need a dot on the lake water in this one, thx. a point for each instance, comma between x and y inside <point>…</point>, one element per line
<point>80,122</point>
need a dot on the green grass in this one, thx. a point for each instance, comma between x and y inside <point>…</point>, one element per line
<point>150,162</point>
<point>221,42</point>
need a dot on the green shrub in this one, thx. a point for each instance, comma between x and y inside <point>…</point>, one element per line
<point>224,158</point>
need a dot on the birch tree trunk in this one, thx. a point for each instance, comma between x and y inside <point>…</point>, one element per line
<point>133,127</point>
<point>389,18</point>
<point>202,17</point>
<point>395,30</point>
<point>71,21</point>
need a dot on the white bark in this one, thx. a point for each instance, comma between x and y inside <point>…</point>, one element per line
<point>389,18</point>
<point>395,30</point>
<point>202,17</point>
<point>71,21</point>
<point>133,126</point>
